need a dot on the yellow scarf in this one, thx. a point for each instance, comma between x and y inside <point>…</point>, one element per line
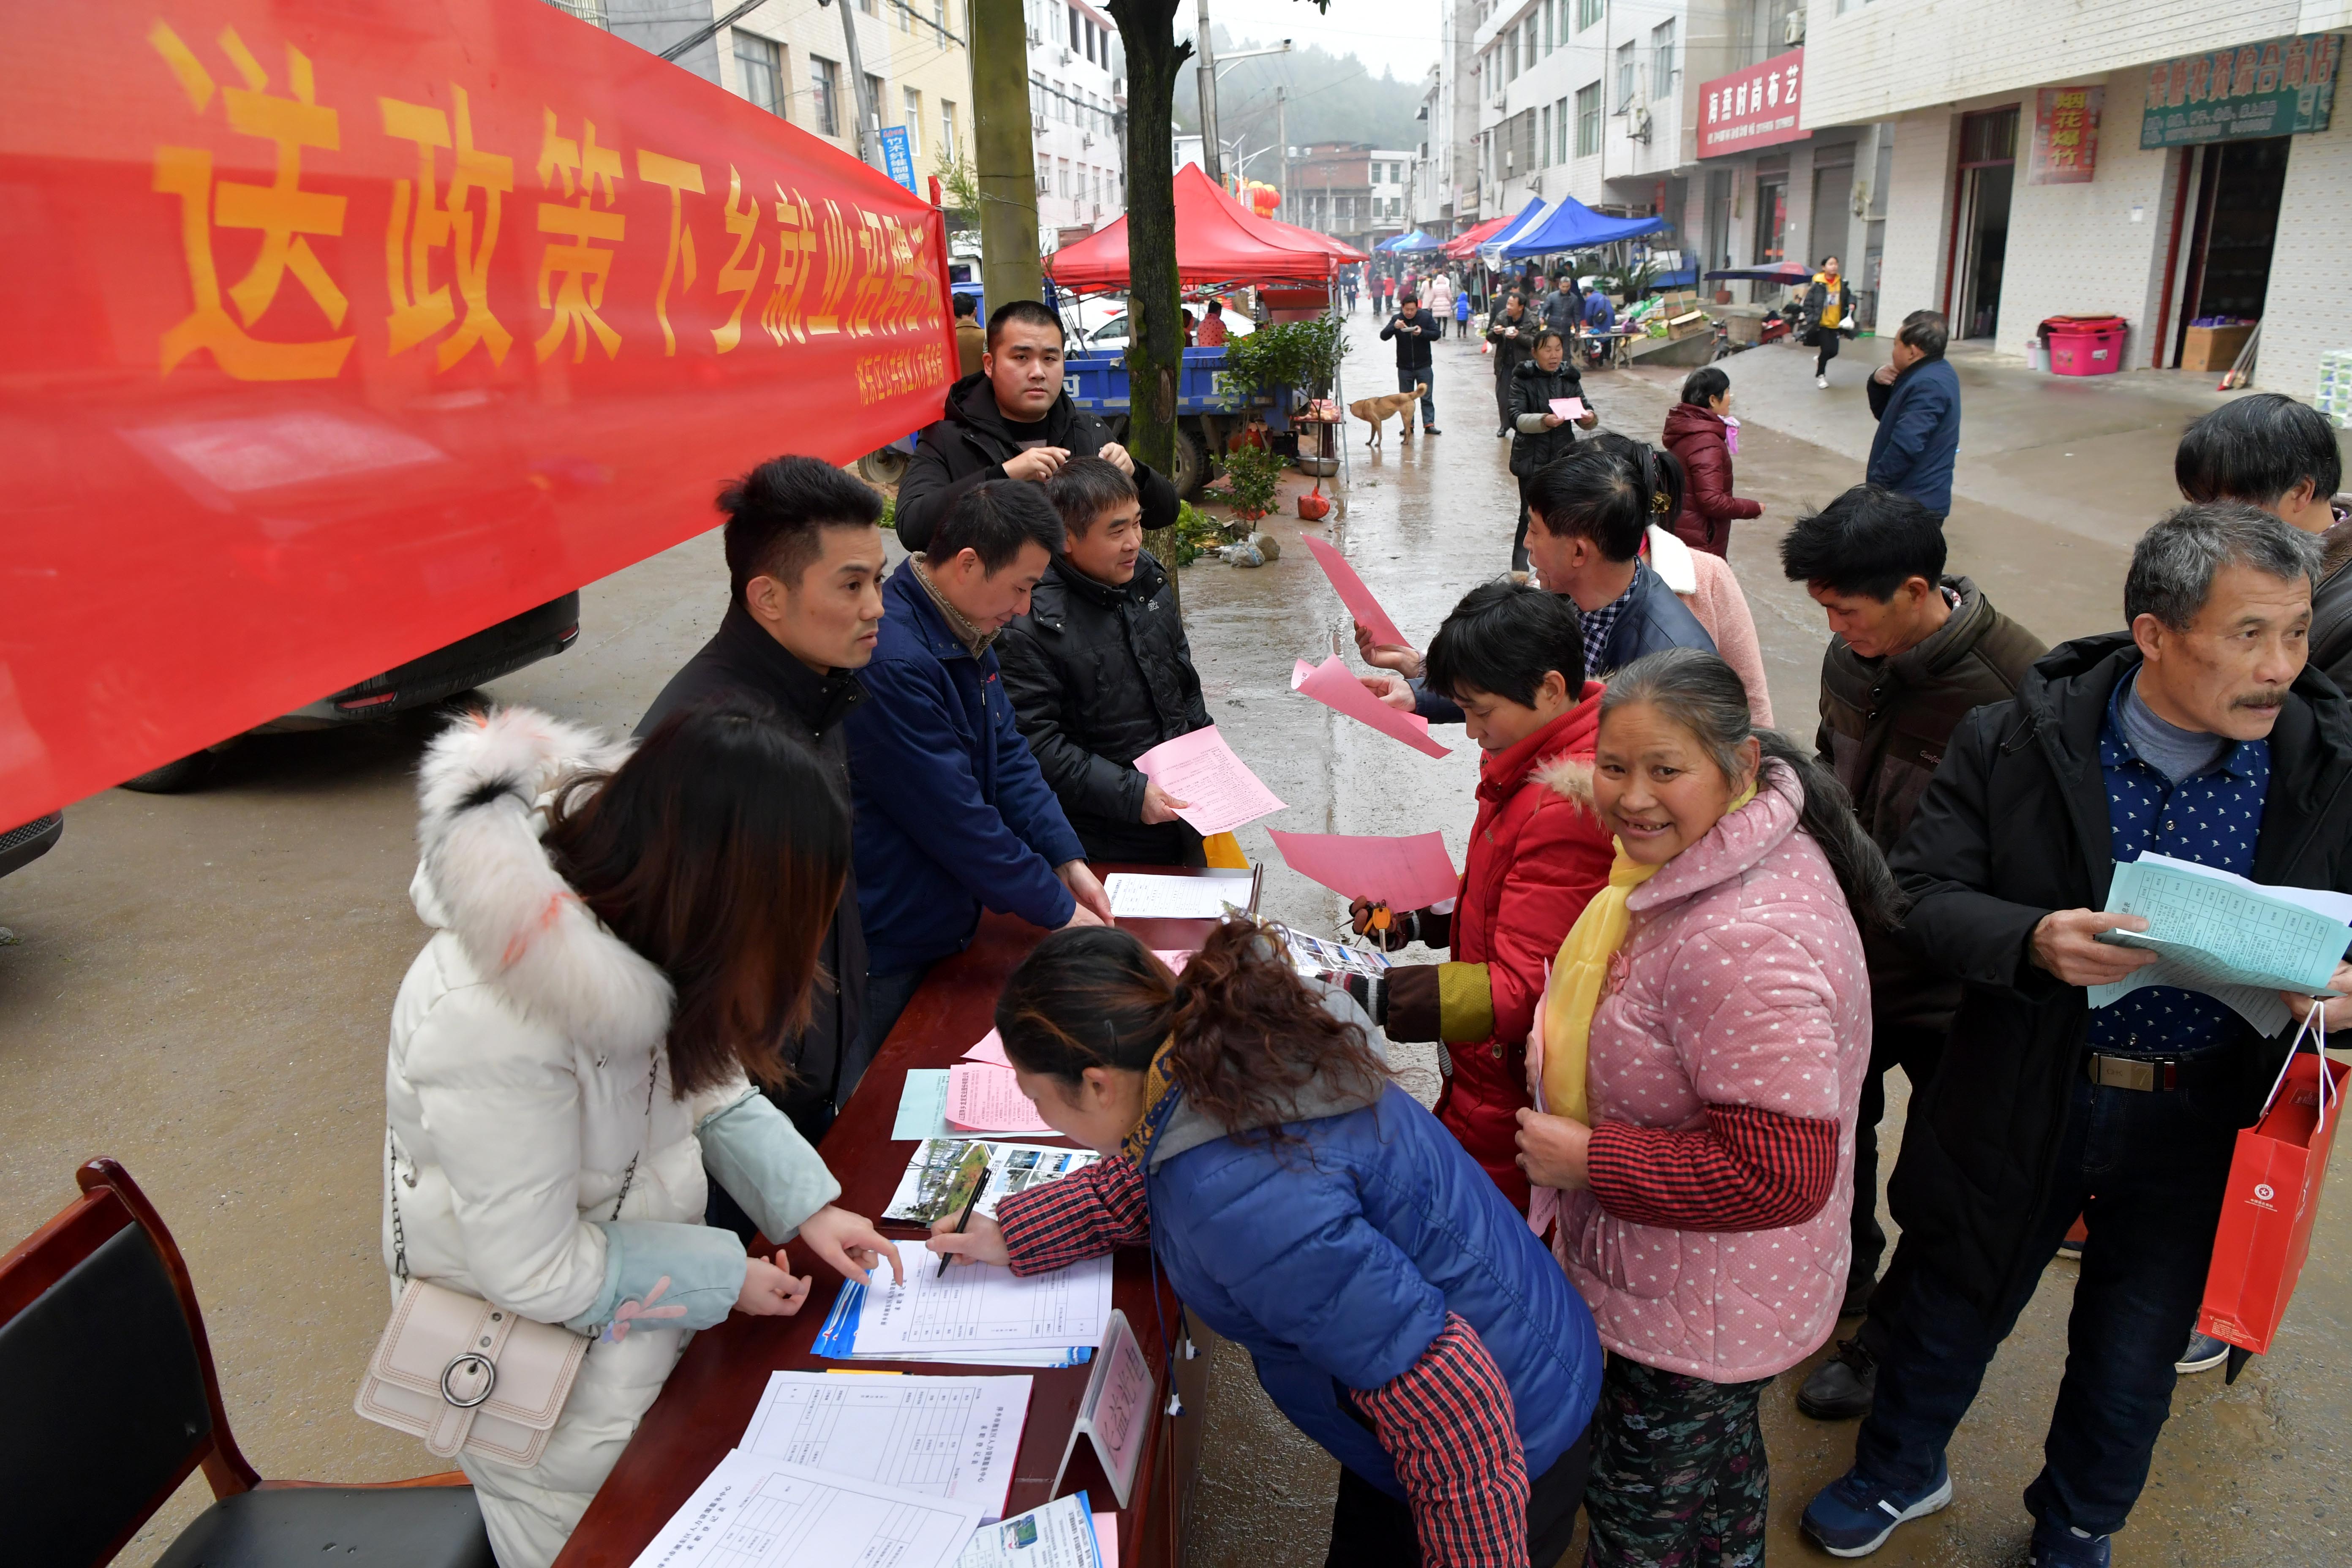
<point>1578,975</point>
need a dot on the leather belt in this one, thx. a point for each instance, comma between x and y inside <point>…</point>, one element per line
<point>2132,1072</point>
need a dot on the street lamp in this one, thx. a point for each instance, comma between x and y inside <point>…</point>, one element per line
<point>1209,148</point>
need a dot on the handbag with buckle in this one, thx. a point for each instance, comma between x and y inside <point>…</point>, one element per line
<point>464,1374</point>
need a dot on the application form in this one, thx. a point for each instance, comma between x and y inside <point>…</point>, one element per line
<point>943,1436</point>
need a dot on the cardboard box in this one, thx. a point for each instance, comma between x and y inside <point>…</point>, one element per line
<point>2213,348</point>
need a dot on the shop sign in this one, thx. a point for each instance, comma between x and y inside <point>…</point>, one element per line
<point>898,155</point>
<point>1752,107</point>
<point>2065,136</point>
<point>2275,88</point>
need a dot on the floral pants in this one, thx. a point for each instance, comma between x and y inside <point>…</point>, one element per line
<point>1678,1474</point>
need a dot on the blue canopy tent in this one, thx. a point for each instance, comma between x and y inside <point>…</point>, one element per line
<point>1572,225</point>
<point>1529,215</point>
<point>1415,241</point>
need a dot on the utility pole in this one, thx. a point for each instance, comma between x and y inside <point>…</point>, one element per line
<point>1282,146</point>
<point>1009,268</point>
<point>869,127</point>
<point>1212,156</point>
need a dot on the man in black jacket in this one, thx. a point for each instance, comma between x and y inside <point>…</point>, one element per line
<point>1414,329</point>
<point>1912,653</point>
<point>2199,734</point>
<point>1013,421</point>
<point>805,607</point>
<point>1100,673</point>
<point>1512,330</point>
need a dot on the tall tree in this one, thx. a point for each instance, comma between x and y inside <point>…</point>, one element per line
<point>1155,342</point>
<point>1008,183</point>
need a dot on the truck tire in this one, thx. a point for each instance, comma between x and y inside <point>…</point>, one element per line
<point>1191,465</point>
<point>884,466</point>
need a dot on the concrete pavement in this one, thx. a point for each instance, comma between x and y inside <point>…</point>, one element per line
<point>203,982</point>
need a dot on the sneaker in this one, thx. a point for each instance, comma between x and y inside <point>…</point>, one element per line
<point>2204,1353</point>
<point>1854,1515</point>
<point>1841,1387</point>
<point>1431,430</point>
<point>1822,381</point>
<point>2062,1546</point>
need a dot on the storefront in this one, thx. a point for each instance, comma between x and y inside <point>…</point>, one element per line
<point>2196,198</point>
<point>1771,192</point>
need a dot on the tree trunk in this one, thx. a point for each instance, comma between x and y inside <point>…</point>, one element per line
<point>1155,343</point>
<point>1001,152</point>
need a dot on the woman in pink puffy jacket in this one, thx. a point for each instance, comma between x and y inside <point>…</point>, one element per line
<point>1702,1213</point>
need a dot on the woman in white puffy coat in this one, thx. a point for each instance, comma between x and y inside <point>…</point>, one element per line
<point>620,943</point>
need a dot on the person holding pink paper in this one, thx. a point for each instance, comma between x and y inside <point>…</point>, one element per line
<point>1513,656</point>
<point>1541,435</point>
<point>1100,673</point>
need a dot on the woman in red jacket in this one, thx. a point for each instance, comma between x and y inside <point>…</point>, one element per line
<point>1697,434</point>
<point>1513,656</point>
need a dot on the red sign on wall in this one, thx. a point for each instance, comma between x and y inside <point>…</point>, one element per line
<point>2065,136</point>
<point>335,333</point>
<point>1752,107</point>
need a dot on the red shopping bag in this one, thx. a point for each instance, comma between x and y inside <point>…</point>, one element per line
<point>2272,1200</point>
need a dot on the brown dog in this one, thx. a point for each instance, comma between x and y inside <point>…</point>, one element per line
<point>1375,411</point>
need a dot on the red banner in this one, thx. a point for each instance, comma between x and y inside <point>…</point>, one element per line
<point>1752,107</point>
<point>2065,149</point>
<point>338,332</point>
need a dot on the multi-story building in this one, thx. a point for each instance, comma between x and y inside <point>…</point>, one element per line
<point>1078,90</point>
<point>1445,196</point>
<point>792,60</point>
<point>2165,162</point>
<point>1336,189</point>
<point>1388,185</point>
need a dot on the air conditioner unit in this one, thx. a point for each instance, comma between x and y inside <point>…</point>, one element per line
<point>1065,57</point>
<point>1637,124</point>
<point>1793,31</point>
<point>1035,37</point>
<point>1038,124</point>
<point>1087,139</point>
<point>1502,98</point>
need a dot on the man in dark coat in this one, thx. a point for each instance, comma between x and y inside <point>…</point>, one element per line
<point>1587,514</point>
<point>1512,330</point>
<point>2268,450</point>
<point>1413,329</point>
<point>1013,421</point>
<point>804,605</point>
<point>2198,733</point>
<point>1563,309</point>
<point>1100,673</point>
<point>1916,401</point>
<point>951,814</point>
<point>1912,653</point>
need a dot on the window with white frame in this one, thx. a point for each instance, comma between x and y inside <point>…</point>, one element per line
<point>824,95</point>
<point>947,130</point>
<point>914,120</point>
<point>1662,58</point>
<point>1628,75</point>
<point>1588,12</point>
<point>761,62</point>
<point>1588,121</point>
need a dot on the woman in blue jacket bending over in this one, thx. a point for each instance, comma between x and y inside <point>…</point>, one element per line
<point>1398,1308</point>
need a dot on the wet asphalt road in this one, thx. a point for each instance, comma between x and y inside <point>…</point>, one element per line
<point>203,981</point>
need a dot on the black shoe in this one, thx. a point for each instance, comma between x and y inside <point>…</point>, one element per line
<point>1841,1387</point>
<point>1502,435</point>
<point>1431,430</point>
<point>1858,1287</point>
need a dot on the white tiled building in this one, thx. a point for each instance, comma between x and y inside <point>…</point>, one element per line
<point>2250,227</point>
<point>1076,105</point>
<point>1444,194</point>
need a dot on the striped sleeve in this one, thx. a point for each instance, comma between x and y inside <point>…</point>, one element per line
<point>1082,1215</point>
<point>1747,1169</point>
<point>1448,1425</point>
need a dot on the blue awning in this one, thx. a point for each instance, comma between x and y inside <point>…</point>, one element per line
<point>1529,215</point>
<point>1572,225</point>
<point>1415,241</point>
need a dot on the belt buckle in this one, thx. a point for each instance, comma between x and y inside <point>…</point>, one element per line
<point>2128,1072</point>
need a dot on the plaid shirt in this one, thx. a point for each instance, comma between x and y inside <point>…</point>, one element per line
<point>1446,1421</point>
<point>1747,1169</point>
<point>1597,624</point>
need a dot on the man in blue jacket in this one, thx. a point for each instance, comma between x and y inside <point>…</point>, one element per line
<point>951,811</point>
<point>1917,402</point>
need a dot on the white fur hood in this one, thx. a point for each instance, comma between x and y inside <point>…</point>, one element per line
<point>484,876</point>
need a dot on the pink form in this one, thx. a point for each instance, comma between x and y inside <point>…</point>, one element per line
<point>1332,684</point>
<point>991,1050</point>
<point>1569,407</point>
<point>1201,769</point>
<point>984,1098</point>
<point>1354,593</point>
<point>1403,873</point>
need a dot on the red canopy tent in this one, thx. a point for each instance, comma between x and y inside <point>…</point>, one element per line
<point>1465,244</point>
<point>1218,240</point>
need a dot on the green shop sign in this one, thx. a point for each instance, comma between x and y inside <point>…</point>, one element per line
<point>2275,88</point>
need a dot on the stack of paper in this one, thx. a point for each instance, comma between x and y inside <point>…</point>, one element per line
<point>942,1436</point>
<point>2232,939</point>
<point>1218,792</point>
<point>975,1314</point>
<point>754,1511</point>
<point>1139,896</point>
<point>983,1098</point>
<point>940,1178</point>
<point>1065,1533</point>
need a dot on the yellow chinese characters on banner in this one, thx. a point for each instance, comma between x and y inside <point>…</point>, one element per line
<point>806,265</point>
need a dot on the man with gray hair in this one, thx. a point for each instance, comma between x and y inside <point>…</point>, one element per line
<point>2196,733</point>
